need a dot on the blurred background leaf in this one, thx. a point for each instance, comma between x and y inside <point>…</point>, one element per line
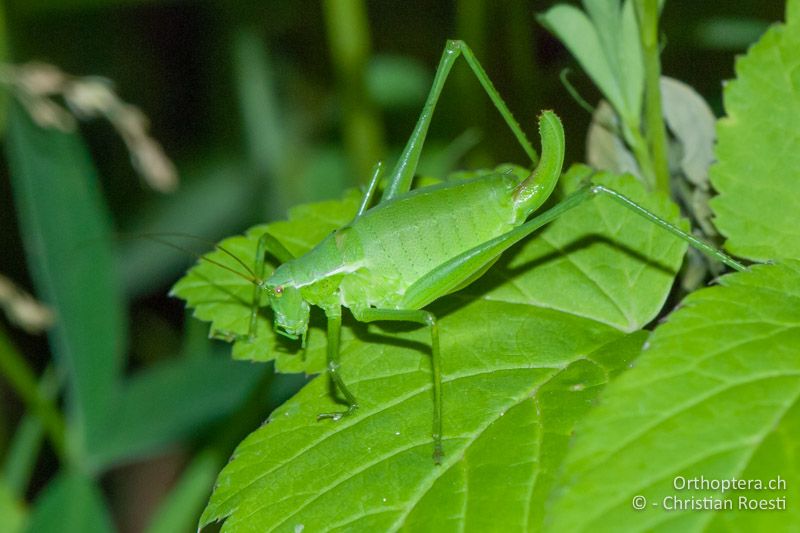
<point>12,513</point>
<point>69,253</point>
<point>71,503</point>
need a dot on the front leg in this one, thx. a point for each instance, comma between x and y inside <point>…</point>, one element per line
<point>334,315</point>
<point>266,244</point>
<point>369,314</point>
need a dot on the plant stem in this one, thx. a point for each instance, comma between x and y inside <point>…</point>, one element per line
<point>349,42</point>
<point>641,151</point>
<point>470,107</point>
<point>27,442</point>
<point>656,133</point>
<point>25,447</point>
<point>22,378</point>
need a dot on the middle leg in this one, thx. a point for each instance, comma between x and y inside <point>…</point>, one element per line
<point>424,318</point>
<point>334,335</point>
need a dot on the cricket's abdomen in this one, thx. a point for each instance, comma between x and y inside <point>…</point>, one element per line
<point>404,239</point>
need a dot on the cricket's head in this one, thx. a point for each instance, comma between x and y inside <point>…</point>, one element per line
<point>291,311</point>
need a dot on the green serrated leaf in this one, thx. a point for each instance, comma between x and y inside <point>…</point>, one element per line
<point>758,169</point>
<point>511,394</point>
<point>224,298</point>
<point>716,394</point>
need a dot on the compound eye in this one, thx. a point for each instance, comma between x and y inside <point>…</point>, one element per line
<point>278,290</point>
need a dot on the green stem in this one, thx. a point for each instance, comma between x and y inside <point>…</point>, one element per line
<point>22,378</point>
<point>641,151</point>
<point>470,107</point>
<point>647,15</point>
<point>349,41</point>
<point>20,461</point>
<point>22,453</point>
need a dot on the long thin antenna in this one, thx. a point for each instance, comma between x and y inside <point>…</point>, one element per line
<point>158,238</point>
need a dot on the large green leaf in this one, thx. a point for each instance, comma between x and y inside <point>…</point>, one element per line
<point>516,379</point>
<point>758,169</point>
<point>224,298</point>
<point>524,352</point>
<point>71,503</point>
<point>67,236</point>
<point>715,394</point>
